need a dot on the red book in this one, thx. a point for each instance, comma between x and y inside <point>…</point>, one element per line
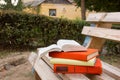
<point>62,68</point>
<point>77,55</point>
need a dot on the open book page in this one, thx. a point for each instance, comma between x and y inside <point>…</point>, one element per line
<point>43,51</point>
<point>70,45</point>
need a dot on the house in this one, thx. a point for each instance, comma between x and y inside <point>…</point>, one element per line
<point>54,8</point>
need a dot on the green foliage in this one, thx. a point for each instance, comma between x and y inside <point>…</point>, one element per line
<point>113,47</point>
<point>33,30</point>
<point>9,6</point>
<point>101,5</point>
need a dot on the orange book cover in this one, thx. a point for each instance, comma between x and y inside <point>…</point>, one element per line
<point>77,55</point>
<point>62,68</point>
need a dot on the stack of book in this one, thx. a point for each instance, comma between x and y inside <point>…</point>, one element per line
<point>74,58</point>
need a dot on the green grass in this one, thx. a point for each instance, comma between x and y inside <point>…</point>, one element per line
<point>116,26</point>
<point>7,52</point>
<point>4,53</point>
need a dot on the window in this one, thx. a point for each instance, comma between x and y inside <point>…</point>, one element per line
<point>52,12</point>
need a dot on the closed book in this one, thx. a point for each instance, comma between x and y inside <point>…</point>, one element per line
<point>90,62</point>
<point>77,55</point>
<point>63,68</point>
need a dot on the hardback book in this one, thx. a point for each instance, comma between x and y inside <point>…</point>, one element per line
<point>77,55</point>
<point>63,68</point>
<point>62,45</point>
<point>73,62</point>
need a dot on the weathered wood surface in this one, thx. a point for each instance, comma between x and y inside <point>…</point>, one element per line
<point>95,17</point>
<point>111,70</point>
<point>37,77</point>
<point>113,17</point>
<point>66,76</point>
<point>44,67</point>
<point>96,42</point>
<point>111,34</point>
<point>103,76</point>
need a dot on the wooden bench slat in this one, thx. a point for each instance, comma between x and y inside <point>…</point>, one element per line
<point>96,42</point>
<point>103,76</point>
<point>95,17</point>
<point>111,34</point>
<point>113,17</point>
<point>43,70</point>
<point>46,59</point>
<point>32,58</point>
<point>77,77</point>
<point>111,70</point>
<point>80,76</point>
<point>69,76</point>
<point>44,67</point>
<point>47,69</point>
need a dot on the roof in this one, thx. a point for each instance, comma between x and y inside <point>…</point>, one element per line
<point>71,1</point>
<point>57,1</point>
<point>37,2</point>
<point>33,2</point>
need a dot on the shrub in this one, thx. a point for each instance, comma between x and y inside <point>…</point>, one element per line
<point>113,47</point>
<point>18,29</point>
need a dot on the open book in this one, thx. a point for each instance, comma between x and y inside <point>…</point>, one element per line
<point>62,45</point>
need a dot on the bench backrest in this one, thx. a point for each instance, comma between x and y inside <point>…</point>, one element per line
<point>103,22</point>
<point>101,31</point>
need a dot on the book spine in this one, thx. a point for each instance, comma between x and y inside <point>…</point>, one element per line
<point>76,69</point>
<point>62,68</point>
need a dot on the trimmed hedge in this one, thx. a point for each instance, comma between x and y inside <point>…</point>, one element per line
<point>18,29</point>
<point>21,29</point>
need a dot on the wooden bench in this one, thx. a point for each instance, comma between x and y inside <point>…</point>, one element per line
<point>103,22</point>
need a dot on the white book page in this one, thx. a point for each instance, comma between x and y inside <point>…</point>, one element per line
<point>63,42</point>
<point>45,50</point>
<point>70,45</point>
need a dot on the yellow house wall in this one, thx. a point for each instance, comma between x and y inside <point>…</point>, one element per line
<point>62,10</point>
<point>30,10</point>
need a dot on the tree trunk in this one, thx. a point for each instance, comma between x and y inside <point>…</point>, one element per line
<point>83,10</point>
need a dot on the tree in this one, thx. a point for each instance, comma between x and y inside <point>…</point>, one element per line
<point>10,6</point>
<point>83,10</point>
<point>81,3</point>
<point>100,5</point>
